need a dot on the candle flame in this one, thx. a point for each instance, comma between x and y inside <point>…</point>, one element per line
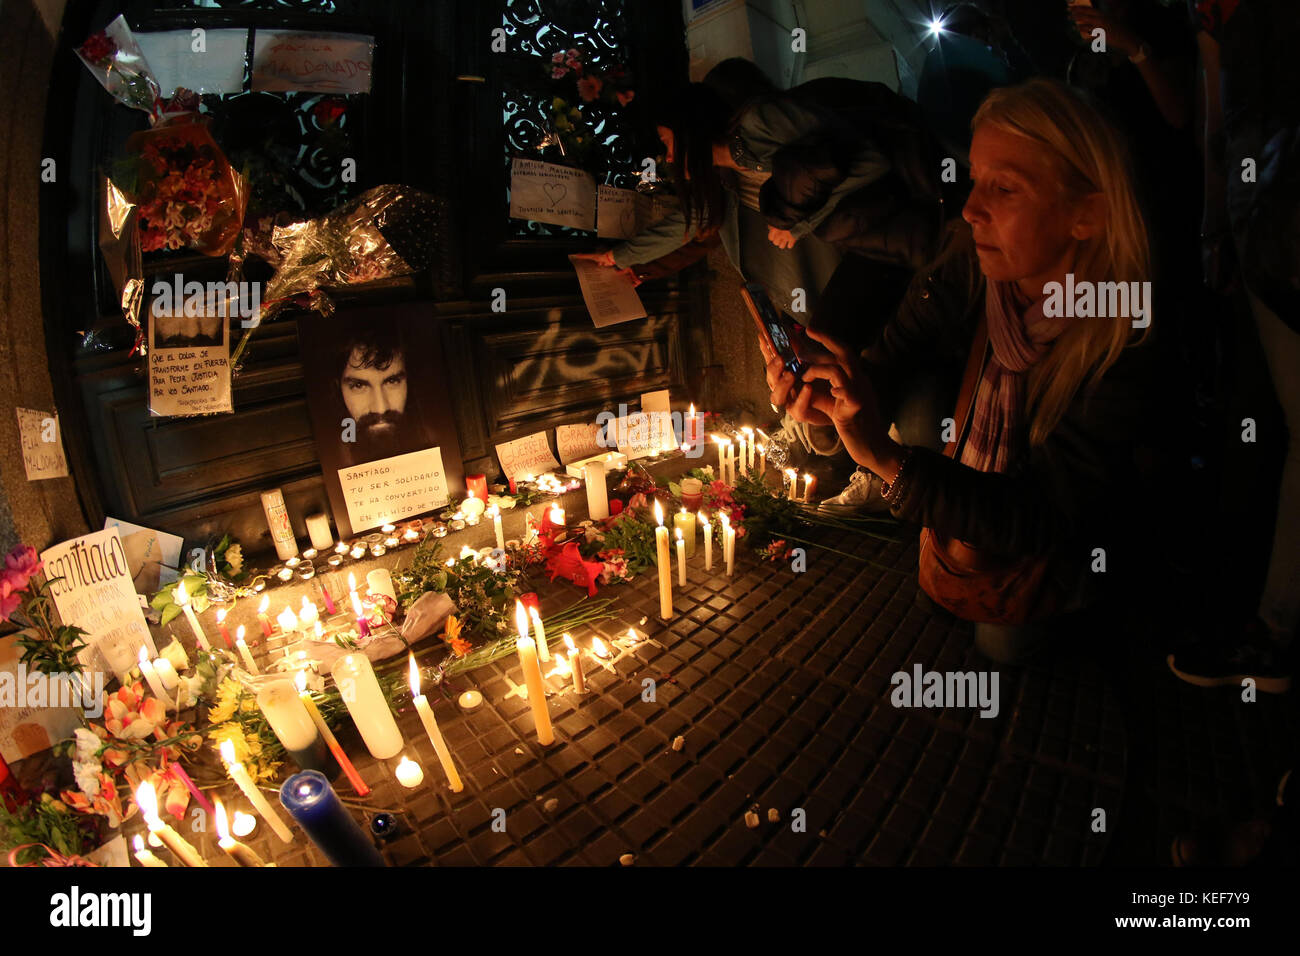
<point>598,647</point>
<point>221,615</point>
<point>632,635</point>
<point>493,511</point>
<point>659,513</point>
<point>182,596</point>
<point>471,493</point>
<point>679,534</point>
<point>704,519</point>
<point>287,620</point>
<point>266,603</point>
<point>568,642</point>
<point>300,680</point>
<point>144,657</point>
<point>414,677</point>
<point>746,429</point>
<point>521,619</point>
<point>223,828</point>
<point>320,629</point>
<point>147,800</point>
<point>227,752</point>
<point>692,411</point>
<point>239,634</point>
<point>138,843</point>
<point>807,477</point>
<point>685,447</point>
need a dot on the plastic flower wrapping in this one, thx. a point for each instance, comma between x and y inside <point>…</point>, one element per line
<point>174,189</point>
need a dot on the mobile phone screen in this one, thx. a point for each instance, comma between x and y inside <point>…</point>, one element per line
<point>778,328</point>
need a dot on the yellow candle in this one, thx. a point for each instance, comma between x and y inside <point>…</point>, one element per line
<point>575,664</point>
<point>539,635</point>
<point>144,855</point>
<point>749,435</point>
<point>259,802</point>
<point>147,800</point>
<point>809,483</point>
<point>662,561</point>
<point>684,522</point>
<point>533,678</point>
<point>792,477</point>
<point>242,647</point>
<point>435,733</point>
<point>744,454</point>
<point>708,542</point>
<point>681,559</point>
<point>239,852</point>
<point>762,460</point>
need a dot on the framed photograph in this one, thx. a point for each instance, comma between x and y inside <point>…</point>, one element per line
<point>381,413</point>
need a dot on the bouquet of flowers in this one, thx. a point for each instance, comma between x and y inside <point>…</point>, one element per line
<point>577,82</point>
<point>47,647</point>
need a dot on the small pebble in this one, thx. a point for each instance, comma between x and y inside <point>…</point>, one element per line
<point>518,751</point>
<point>773,815</point>
<point>679,743</point>
<point>551,805</point>
<point>627,859</point>
<point>751,819</point>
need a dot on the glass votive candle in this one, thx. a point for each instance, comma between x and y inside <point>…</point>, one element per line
<point>293,562</point>
<point>411,534</point>
<point>309,554</point>
<point>334,560</point>
<point>377,550</point>
<point>388,528</point>
<point>306,572</point>
<point>358,551</point>
<point>456,524</point>
<point>439,530</point>
<point>471,520</point>
<point>259,586</point>
<point>391,541</point>
<point>374,537</point>
<point>285,574</point>
<point>341,548</point>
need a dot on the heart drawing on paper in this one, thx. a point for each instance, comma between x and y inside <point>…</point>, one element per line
<point>555,192</point>
<point>627,221</point>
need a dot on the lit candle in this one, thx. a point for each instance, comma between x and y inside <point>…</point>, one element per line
<point>681,559</point>
<point>598,648</point>
<point>241,854</point>
<point>262,617</point>
<point>167,674</point>
<point>495,513</point>
<point>792,477</point>
<point>722,458</point>
<point>242,647</point>
<point>292,724</point>
<point>473,507</point>
<point>708,542</point>
<point>287,620</point>
<point>762,460</point>
<point>575,664</point>
<point>380,581</point>
<point>539,635</point>
<point>327,735</point>
<point>728,536</point>
<point>662,561</point>
<point>557,516</point>
<point>315,806</point>
<point>593,473</point>
<point>150,677</point>
<point>749,435</point>
<point>147,800</point>
<point>183,600</point>
<point>684,522</point>
<point>431,728</point>
<point>809,483</point>
<point>221,626</point>
<point>318,529</point>
<point>409,774</point>
<point>145,855</point>
<point>363,626</point>
<point>744,454</point>
<point>240,775</point>
<point>692,427</point>
<point>731,462</point>
<point>533,678</point>
<point>308,614</point>
<point>366,703</point>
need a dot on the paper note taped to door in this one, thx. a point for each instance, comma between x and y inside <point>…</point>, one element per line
<point>287,60</point>
<point>622,213</point>
<point>559,195</point>
<point>42,444</point>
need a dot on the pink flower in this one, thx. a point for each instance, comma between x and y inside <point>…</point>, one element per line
<point>589,88</point>
<point>557,57</point>
<point>625,96</point>
<point>10,598</point>
<point>558,72</point>
<point>23,563</point>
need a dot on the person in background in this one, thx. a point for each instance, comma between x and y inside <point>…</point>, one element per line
<point>1041,466</point>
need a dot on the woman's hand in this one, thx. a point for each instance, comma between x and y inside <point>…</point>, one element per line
<point>850,405</point>
<point>605,258</point>
<point>781,238</point>
<point>1119,37</point>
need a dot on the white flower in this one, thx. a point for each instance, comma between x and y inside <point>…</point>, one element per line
<point>87,744</point>
<point>87,776</point>
<point>235,558</point>
<point>175,653</point>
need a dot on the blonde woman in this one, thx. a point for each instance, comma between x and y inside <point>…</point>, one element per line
<point>1040,450</point>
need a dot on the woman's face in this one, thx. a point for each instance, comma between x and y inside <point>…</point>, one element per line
<point>1026,227</point>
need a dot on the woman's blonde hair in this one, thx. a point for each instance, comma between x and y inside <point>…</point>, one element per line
<point>1092,158</point>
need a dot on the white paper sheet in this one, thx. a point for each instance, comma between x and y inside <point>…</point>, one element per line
<point>211,62</point>
<point>42,444</point>
<point>387,490</point>
<point>153,556</point>
<point>559,195</point>
<point>285,60</point>
<point>530,455</point>
<point>609,294</point>
<point>575,442</point>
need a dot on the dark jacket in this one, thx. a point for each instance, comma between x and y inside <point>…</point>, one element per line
<point>1072,492</point>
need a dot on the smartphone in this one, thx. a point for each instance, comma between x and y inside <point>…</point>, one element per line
<point>776,328</point>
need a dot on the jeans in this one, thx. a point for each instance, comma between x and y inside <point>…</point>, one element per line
<point>1279,606</point>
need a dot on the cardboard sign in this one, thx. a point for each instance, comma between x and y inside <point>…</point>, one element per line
<point>154,557</point>
<point>610,294</point>
<point>575,442</point>
<point>637,435</point>
<point>659,407</point>
<point>285,60</point>
<point>28,723</point>
<point>526,456</point>
<point>42,445</point>
<point>96,594</point>
<point>623,213</point>
<point>559,195</point>
<point>211,62</point>
<point>189,364</point>
<point>383,491</point>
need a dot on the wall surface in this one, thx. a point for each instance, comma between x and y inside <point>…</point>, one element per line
<point>37,513</point>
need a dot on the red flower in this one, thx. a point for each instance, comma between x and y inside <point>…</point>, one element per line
<point>570,564</point>
<point>625,97</point>
<point>589,88</point>
<point>23,560</point>
<point>328,111</point>
<point>98,47</point>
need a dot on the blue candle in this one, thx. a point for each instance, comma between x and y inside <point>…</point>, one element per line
<point>312,802</point>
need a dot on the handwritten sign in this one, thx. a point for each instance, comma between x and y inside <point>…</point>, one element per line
<point>189,380</point>
<point>217,66</point>
<point>31,719</point>
<point>610,295</point>
<point>659,407</point>
<point>316,62</point>
<point>153,556</point>
<point>560,195</point>
<point>383,491</point>
<point>526,456</point>
<point>96,594</point>
<point>622,213</point>
<point>638,435</point>
<point>575,442</point>
<point>42,445</point>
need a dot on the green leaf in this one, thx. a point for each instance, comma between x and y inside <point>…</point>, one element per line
<point>161,599</point>
<point>170,612</point>
<point>675,488</point>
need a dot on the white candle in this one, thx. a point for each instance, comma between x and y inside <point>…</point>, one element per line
<point>287,620</point>
<point>575,664</point>
<point>318,529</point>
<point>242,647</point>
<point>708,542</point>
<point>241,854</point>
<point>809,483</point>
<point>183,600</point>
<point>409,774</point>
<point>662,561</point>
<point>284,711</point>
<point>593,474</point>
<point>308,614</point>
<point>366,703</point>
<point>147,800</point>
<point>259,802</point>
<point>722,459</point>
<point>539,635</point>
<point>557,516</point>
<point>792,477</point>
<point>495,512</point>
<point>473,507</point>
<point>728,541</point>
<point>762,460</point>
<point>434,732</point>
<point>145,856</point>
<point>533,678</point>
<point>749,436</point>
<point>744,454</point>
<point>681,559</point>
<point>380,581</point>
<point>167,674</point>
<point>151,678</point>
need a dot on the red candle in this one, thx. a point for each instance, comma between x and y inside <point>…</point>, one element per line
<point>262,617</point>
<point>329,601</point>
<point>530,600</point>
<point>221,626</point>
<point>477,486</point>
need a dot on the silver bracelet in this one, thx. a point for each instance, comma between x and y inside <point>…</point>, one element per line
<point>892,491</point>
